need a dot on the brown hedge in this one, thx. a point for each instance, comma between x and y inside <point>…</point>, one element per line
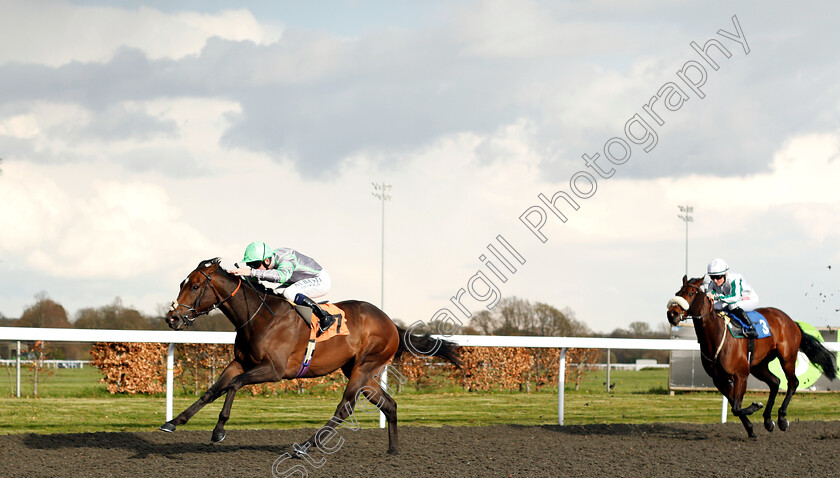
<point>141,368</point>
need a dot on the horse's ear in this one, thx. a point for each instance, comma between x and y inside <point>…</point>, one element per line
<point>685,280</point>
<point>208,262</point>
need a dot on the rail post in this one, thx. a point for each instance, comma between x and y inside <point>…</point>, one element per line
<point>383,384</point>
<point>723,410</point>
<point>170,378</point>
<point>608,370</point>
<point>561,386</point>
<point>17,364</point>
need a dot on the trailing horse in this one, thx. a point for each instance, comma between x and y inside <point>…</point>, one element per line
<point>727,362</point>
<point>271,342</point>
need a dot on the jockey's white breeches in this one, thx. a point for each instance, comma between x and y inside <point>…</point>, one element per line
<point>313,287</point>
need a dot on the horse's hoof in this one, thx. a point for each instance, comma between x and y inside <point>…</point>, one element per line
<point>783,424</point>
<point>770,425</point>
<point>758,406</point>
<point>167,427</point>
<point>392,452</point>
<point>218,435</point>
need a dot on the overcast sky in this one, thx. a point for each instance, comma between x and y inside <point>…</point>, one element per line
<point>138,140</point>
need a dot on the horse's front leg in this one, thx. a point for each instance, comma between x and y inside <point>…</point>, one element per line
<point>264,372</point>
<point>215,391</point>
<point>739,387</point>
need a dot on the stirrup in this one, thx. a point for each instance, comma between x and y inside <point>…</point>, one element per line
<point>329,320</point>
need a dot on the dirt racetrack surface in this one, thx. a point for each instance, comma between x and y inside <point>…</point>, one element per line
<point>666,450</point>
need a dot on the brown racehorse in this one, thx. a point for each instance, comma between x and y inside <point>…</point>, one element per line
<point>271,341</point>
<point>725,358</point>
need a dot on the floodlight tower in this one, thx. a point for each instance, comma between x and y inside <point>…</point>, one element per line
<point>380,191</point>
<point>686,217</point>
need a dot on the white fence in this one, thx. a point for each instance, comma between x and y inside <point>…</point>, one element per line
<point>51,363</point>
<point>193,337</point>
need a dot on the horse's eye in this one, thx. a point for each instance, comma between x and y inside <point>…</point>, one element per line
<point>195,287</point>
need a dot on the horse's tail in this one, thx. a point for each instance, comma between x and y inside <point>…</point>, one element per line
<point>818,354</point>
<point>427,346</point>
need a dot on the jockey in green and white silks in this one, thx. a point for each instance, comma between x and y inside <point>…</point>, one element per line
<point>730,291</point>
<point>300,275</point>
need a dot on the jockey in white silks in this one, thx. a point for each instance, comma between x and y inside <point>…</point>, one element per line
<point>731,292</point>
<point>300,275</point>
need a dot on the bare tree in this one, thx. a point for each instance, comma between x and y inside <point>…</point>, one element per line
<point>111,316</point>
<point>515,316</point>
<point>483,322</point>
<point>640,329</point>
<point>38,353</point>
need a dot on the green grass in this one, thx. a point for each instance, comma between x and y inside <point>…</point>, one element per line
<point>64,382</point>
<point>72,401</point>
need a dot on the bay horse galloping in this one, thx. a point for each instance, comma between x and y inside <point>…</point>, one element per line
<point>271,340</point>
<point>726,360</point>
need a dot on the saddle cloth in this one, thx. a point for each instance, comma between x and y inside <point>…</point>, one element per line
<point>758,321</point>
<point>312,320</point>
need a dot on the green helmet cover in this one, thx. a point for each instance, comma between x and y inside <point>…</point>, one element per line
<point>257,251</point>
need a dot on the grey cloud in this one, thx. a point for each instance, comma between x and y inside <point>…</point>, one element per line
<point>25,149</point>
<point>116,123</point>
<point>318,98</point>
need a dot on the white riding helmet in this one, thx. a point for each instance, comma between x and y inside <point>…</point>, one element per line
<point>717,267</point>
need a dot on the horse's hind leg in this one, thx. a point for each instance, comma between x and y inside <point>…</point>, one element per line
<point>376,395</point>
<point>345,407</point>
<point>762,372</point>
<point>789,368</point>
<point>215,391</point>
<point>361,383</point>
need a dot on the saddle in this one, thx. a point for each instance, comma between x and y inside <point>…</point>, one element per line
<point>735,329</point>
<point>311,320</point>
<point>308,316</point>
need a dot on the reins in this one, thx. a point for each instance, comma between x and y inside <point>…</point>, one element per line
<point>262,300</point>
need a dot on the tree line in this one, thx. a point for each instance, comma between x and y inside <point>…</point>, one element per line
<point>516,316</point>
<point>46,312</point>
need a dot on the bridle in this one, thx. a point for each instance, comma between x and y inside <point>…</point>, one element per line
<point>193,308</point>
<point>209,283</point>
<point>686,315</point>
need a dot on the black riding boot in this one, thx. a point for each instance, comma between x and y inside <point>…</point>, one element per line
<point>746,323</point>
<point>325,320</point>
